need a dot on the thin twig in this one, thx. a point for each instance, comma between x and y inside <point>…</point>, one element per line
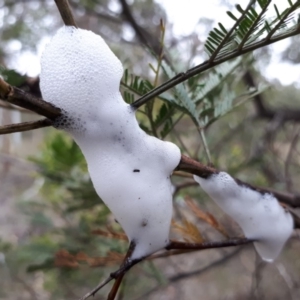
<point>185,185</point>
<point>65,12</point>
<point>114,290</point>
<point>117,275</point>
<point>9,106</point>
<point>121,294</point>
<point>204,142</point>
<point>232,242</point>
<point>263,111</point>
<point>192,166</point>
<point>182,276</point>
<point>25,126</point>
<point>150,104</point>
<point>289,182</point>
<point>97,288</point>
<point>128,263</point>
<point>118,280</point>
<point>257,277</point>
<point>184,148</point>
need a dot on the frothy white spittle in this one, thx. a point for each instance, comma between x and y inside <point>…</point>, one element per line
<point>260,216</point>
<point>130,170</point>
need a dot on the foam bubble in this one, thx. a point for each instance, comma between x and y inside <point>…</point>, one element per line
<point>260,216</point>
<point>81,75</point>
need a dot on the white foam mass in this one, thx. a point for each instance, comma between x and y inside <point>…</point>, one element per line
<point>260,216</point>
<point>130,170</point>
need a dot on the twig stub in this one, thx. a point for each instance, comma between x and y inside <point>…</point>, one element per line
<point>5,89</point>
<point>190,165</point>
<point>65,12</point>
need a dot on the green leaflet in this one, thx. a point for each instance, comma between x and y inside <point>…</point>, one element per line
<point>215,77</point>
<point>182,98</point>
<point>227,102</point>
<point>212,97</point>
<point>199,97</point>
<point>12,76</point>
<point>250,25</point>
<point>134,85</point>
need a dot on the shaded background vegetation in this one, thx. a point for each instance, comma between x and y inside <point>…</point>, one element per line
<point>57,239</point>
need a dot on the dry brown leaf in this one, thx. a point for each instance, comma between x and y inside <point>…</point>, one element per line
<point>205,216</point>
<point>110,233</point>
<point>81,256</point>
<point>189,231</point>
<point>63,258</point>
<point>112,258</point>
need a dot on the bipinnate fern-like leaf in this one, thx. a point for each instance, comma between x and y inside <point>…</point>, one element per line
<point>252,30</point>
<point>134,85</point>
<point>212,97</point>
<point>250,26</point>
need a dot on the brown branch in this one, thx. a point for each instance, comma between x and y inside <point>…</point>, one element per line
<point>143,35</point>
<point>295,216</point>
<point>184,185</point>
<point>65,12</point>
<point>169,253</point>
<point>114,290</point>
<point>31,85</point>
<point>128,263</point>
<point>118,280</point>
<point>232,242</point>
<point>97,288</point>
<point>284,114</point>
<point>264,111</point>
<point>20,98</point>
<point>124,268</point>
<point>194,167</point>
<point>183,248</point>
<point>291,199</point>
<point>261,109</point>
<point>25,126</point>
